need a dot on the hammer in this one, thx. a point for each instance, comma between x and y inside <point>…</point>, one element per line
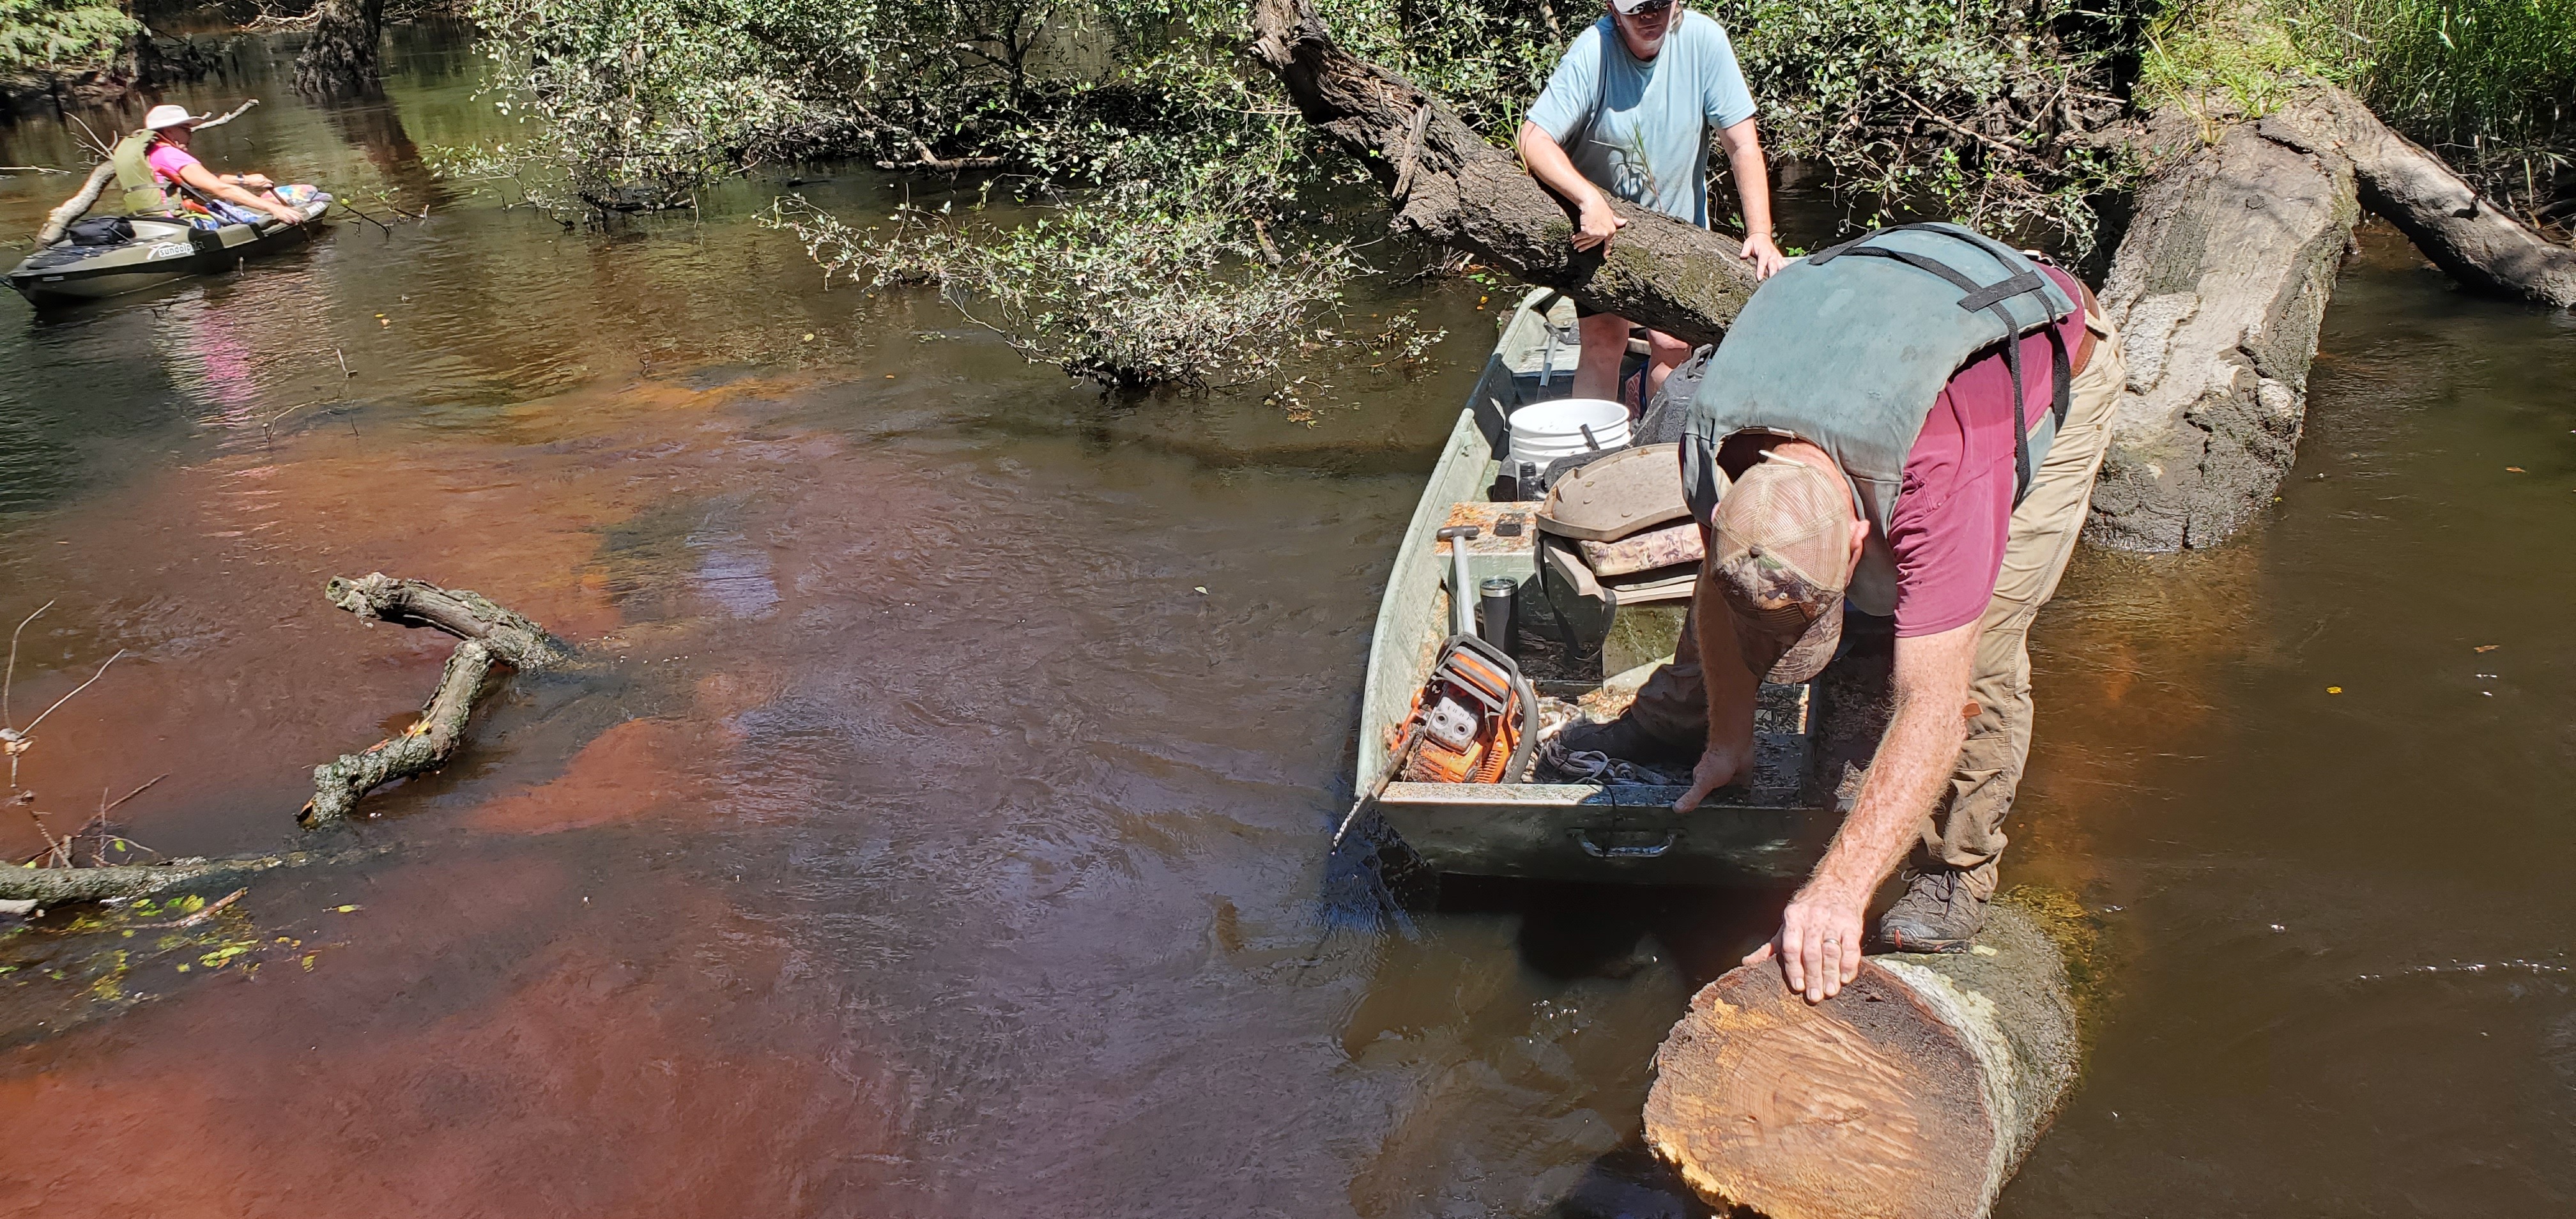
<point>1462,608</point>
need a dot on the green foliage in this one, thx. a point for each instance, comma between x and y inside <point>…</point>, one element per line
<point>1973,110</point>
<point>41,35</point>
<point>2489,83</point>
<point>2197,52</point>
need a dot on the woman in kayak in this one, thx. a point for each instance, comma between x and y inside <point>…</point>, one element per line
<point>248,194</point>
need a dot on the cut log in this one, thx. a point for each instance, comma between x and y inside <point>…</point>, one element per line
<point>1917,1091</point>
<point>2218,290</point>
<point>1458,190</point>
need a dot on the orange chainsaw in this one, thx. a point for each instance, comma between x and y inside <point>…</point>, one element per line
<point>1471,722</point>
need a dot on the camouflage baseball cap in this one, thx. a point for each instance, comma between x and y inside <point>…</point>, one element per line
<point>1781,557</point>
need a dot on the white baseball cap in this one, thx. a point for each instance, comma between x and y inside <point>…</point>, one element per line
<point>169,116</point>
<point>1629,7</point>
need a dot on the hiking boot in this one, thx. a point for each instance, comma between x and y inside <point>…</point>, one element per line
<point>1624,739</point>
<point>1940,912</point>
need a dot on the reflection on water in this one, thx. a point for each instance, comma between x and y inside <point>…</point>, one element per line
<point>932,846</point>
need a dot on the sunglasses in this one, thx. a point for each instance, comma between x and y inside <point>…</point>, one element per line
<point>1652,8</point>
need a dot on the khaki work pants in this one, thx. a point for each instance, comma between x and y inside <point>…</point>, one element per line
<point>1964,828</point>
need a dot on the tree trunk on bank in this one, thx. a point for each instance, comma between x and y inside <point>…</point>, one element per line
<point>341,59</point>
<point>1915,1092</point>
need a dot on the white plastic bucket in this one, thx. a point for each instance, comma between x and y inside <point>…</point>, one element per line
<point>1549,430</point>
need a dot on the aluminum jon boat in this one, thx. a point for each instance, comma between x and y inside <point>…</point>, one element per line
<point>164,248</point>
<point>1579,640</point>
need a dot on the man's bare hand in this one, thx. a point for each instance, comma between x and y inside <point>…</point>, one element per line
<point>1819,943</point>
<point>1597,224</point>
<point>1717,768</point>
<point>1765,256</point>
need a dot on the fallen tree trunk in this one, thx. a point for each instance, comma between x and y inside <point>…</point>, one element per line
<point>2221,285</point>
<point>2218,290</point>
<point>1915,1092</point>
<point>1452,188</point>
<point>488,633</point>
<point>2473,241</point>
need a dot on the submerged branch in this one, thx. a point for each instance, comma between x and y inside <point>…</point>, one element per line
<point>490,633</point>
<point>54,886</point>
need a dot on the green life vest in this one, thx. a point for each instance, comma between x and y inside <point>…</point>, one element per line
<point>143,194</point>
<point>1849,348</point>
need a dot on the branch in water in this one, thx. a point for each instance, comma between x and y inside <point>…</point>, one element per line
<point>490,634</point>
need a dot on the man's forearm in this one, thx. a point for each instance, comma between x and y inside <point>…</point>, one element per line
<point>1548,163</point>
<point>1729,686</point>
<point>1752,187</point>
<point>1916,756</point>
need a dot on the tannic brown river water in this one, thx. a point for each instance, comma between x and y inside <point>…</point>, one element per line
<point>948,838</point>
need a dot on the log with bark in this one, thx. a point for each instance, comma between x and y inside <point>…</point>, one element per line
<point>487,633</point>
<point>1915,1092</point>
<point>2218,290</point>
<point>55,886</point>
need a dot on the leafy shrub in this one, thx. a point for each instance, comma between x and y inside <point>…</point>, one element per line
<point>37,35</point>
<point>1973,110</point>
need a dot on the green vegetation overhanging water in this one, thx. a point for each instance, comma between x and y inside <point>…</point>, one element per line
<point>944,850</point>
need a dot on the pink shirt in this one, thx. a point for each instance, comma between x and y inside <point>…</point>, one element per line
<point>1954,510</point>
<point>168,159</point>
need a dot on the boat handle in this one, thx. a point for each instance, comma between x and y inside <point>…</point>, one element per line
<point>1598,851</point>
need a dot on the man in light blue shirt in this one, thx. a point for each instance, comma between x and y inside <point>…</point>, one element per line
<point>1628,113</point>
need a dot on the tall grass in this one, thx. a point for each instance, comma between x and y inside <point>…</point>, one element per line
<point>2491,84</point>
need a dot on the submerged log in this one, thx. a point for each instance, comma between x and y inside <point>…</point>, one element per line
<point>55,886</point>
<point>488,633</point>
<point>1917,1091</point>
<point>1452,188</point>
<point>2218,290</point>
<point>337,784</point>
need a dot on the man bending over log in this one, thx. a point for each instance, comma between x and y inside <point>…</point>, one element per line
<point>1628,111</point>
<point>1908,424</point>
